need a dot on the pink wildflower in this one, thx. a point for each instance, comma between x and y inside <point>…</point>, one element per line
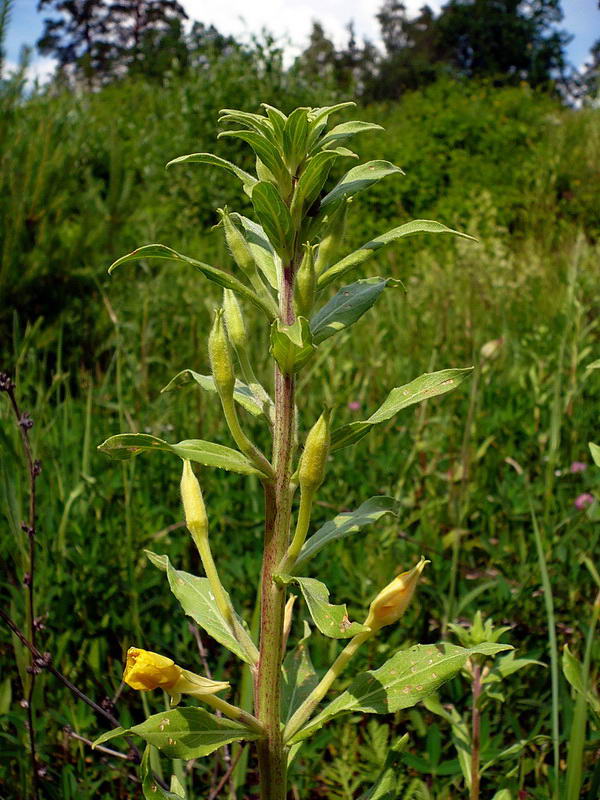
<point>578,466</point>
<point>354,405</point>
<point>583,501</point>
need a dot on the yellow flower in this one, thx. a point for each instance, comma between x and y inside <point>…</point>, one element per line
<point>391,602</point>
<point>146,670</point>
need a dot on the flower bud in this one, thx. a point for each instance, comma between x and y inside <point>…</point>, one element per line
<point>193,502</point>
<point>392,602</point>
<point>237,244</point>
<point>146,670</point>
<point>306,283</point>
<point>333,236</point>
<point>311,471</point>
<point>234,321</point>
<point>219,355</point>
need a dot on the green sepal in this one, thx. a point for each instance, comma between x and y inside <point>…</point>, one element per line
<point>368,250</point>
<point>274,216</point>
<point>428,385</point>
<point>331,620</point>
<point>292,346</point>
<point>214,274</point>
<point>347,306</point>
<point>247,180</point>
<point>403,681</point>
<point>126,445</point>
<point>360,177</point>
<point>186,732</point>
<point>347,524</point>
<point>197,600</point>
<point>242,393</point>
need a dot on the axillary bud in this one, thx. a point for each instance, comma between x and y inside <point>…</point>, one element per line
<point>193,502</point>
<point>237,244</point>
<point>311,471</point>
<point>392,602</point>
<point>219,354</point>
<point>234,321</point>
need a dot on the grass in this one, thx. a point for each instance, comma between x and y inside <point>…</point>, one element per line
<point>83,182</point>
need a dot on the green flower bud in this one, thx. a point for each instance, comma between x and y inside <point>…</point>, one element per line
<point>311,471</point>
<point>332,239</point>
<point>305,283</point>
<point>219,354</point>
<point>237,244</point>
<point>234,321</point>
<point>193,502</point>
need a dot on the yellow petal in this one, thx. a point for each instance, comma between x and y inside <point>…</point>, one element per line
<point>146,670</point>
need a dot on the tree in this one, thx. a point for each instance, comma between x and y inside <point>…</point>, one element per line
<point>78,37</point>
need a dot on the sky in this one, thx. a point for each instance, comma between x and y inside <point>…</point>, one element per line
<point>293,20</point>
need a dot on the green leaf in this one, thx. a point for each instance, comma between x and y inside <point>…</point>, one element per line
<point>292,345</point>
<point>369,249</point>
<point>428,385</point>
<point>214,274</point>
<point>346,130</point>
<point>347,306</point>
<point>198,602</point>
<point>188,732</point>
<point>359,178</point>
<point>389,782</point>
<point>595,451</point>
<point>295,134</point>
<point>347,524</point>
<point>267,152</point>
<point>261,249</point>
<point>318,115</point>
<point>126,445</point>
<point>401,682</point>
<point>312,180</point>
<point>150,787</point>
<point>242,393</point>
<point>507,665</point>
<point>255,122</point>
<point>274,216</point>
<point>573,672</point>
<point>299,677</point>
<point>106,737</point>
<point>331,620</point>
<point>247,180</point>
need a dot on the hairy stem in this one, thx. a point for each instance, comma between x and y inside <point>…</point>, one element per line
<point>475,732</point>
<point>271,753</point>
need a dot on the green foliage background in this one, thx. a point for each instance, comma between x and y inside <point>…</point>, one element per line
<point>82,181</point>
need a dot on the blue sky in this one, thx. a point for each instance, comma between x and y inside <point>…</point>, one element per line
<point>293,20</point>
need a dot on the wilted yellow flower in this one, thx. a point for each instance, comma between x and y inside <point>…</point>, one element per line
<point>391,602</point>
<point>146,670</point>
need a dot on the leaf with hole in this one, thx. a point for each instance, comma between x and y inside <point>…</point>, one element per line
<point>347,307</point>
<point>431,384</point>
<point>151,788</point>
<point>126,445</point>
<point>346,524</point>
<point>401,682</point>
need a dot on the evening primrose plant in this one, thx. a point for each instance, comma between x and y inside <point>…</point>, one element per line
<point>288,258</point>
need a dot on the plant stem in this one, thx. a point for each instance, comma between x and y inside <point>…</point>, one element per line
<point>475,731</point>
<point>271,753</point>
<point>318,693</point>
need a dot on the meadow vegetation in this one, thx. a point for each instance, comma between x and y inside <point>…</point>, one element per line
<point>493,481</point>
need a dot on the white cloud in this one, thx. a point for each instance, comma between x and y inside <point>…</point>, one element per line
<point>39,70</point>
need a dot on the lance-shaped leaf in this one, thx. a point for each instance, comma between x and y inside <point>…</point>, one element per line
<point>369,249</point>
<point>428,385</point>
<point>318,115</point>
<point>347,306</point>
<point>274,216</point>
<point>292,345</point>
<point>573,672</point>
<point>299,677</point>
<point>347,524</point>
<point>242,393</point>
<point>313,178</point>
<point>277,119</point>
<point>295,134</point>
<point>198,602</point>
<point>261,249</point>
<point>255,122</point>
<point>247,180</point>
<point>267,152</point>
<point>186,732</point>
<point>151,789</point>
<point>595,451</point>
<point>347,129</point>
<point>331,620</point>
<point>401,682</point>
<point>214,274</point>
<point>359,178</point>
<point>126,445</point>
